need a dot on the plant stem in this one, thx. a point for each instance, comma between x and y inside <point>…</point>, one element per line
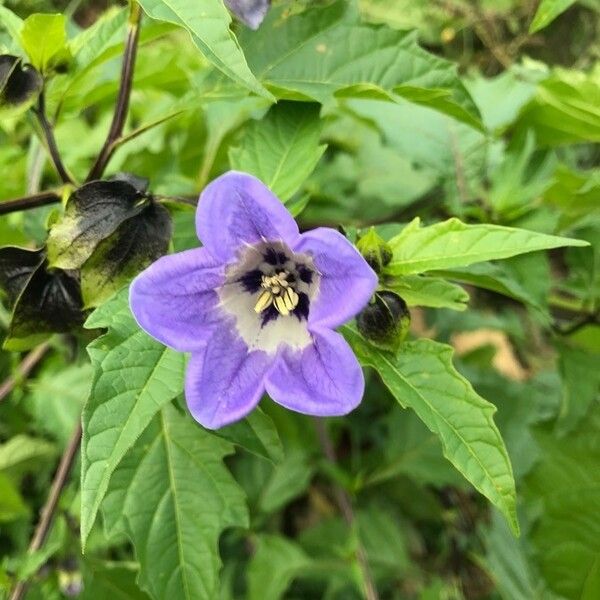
<point>23,370</point>
<point>48,132</point>
<point>345,505</point>
<point>49,509</point>
<point>122,105</point>
<point>34,201</point>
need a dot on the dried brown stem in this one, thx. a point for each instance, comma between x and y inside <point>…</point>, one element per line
<point>48,132</point>
<point>23,370</point>
<point>345,505</point>
<point>33,201</point>
<point>49,510</point>
<point>122,105</point>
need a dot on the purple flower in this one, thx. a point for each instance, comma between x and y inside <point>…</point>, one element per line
<point>256,306</point>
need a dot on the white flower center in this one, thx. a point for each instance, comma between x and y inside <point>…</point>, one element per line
<point>268,291</point>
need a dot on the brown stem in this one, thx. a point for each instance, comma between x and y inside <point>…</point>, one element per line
<point>23,370</point>
<point>122,105</point>
<point>345,505</point>
<point>33,201</point>
<point>48,132</point>
<point>48,511</point>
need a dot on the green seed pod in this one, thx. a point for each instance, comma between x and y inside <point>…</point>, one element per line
<point>375,250</point>
<point>385,321</point>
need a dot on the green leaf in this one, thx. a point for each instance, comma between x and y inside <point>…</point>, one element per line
<point>12,505</point>
<point>13,25</point>
<point>92,213</point>
<point>110,582</point>
<point>565,109</point>
<point>421,376</point>
<point>307,56</point>
<point>273,567</point>
<point>20,451</point>
<point>565,490</point>
<point>175,497</point>
<point>256,434</point>
<point>506,563</point>
<point>289,478</point>
<point>120,406</point>
<point>429,291</point>
<point>208,21</point>
<point>56,398</point>
<point>547,11</point>
<point>283,148</point>
<point>138,241</point>
<point>580,385</point>
<point>496,278</point>
<point>44,39</point>
<point>454,244</point>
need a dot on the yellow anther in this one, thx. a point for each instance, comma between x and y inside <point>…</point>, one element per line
<point>280,306</point>
<point>264,301</point>
<point>290,297</point>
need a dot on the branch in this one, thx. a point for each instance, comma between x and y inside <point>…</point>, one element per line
<point>345,505</point>
<point>34,201</point>
<point>49,509</point>
<point>122,106</point>
<point>23,370</point>
<point>40,112</point>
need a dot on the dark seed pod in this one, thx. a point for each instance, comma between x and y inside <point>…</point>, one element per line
<point>18,83</point>
<point>385,321</point>
<point>375,250</point>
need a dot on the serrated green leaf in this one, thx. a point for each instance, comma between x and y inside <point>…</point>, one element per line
<point>208,21</point>
<point>283,148</point>
<point>565,491</point>
<point>421,376</point>
<point>547,11</point>
<point>44,38</point>
<point>429,291</point>
<point>173,496</point>
<point>454,244</point>
<point>307,56</point>
<point>134,377</point>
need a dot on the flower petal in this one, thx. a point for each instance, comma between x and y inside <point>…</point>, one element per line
<point>174,299</point>
<point>224,381</point>
<point>237,209</point>
<point>323,379</point>
<point>347,281</point>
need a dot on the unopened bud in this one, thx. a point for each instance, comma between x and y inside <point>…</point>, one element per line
<point>375,250</point>
<point>385,321</point>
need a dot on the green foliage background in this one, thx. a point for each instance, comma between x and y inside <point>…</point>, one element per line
<point>466,133</point>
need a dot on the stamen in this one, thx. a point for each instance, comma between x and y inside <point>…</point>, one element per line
<point>280,306</point>
<point>277,292</point>
<point>264,301</point>
<point>290,298</point>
